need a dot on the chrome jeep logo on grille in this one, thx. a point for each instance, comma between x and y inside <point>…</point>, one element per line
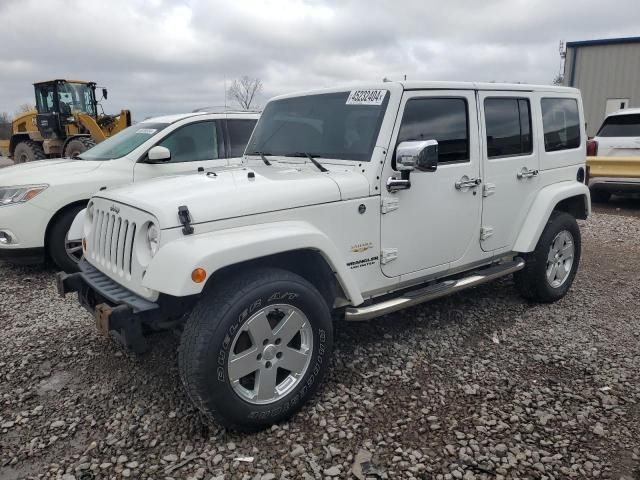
<point>114,209</point>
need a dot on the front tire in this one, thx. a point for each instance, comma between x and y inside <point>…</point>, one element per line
<point>551,268</point>
<point>65,253</point>
<point>78,145</point>
<point>255,348</point>
<point>28,151</point>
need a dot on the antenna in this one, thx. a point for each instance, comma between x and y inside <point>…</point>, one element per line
<point>225,91</point>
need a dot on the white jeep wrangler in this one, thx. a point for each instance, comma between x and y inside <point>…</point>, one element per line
<point>350,204</point>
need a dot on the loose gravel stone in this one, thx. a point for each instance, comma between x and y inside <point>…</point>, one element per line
<point>481,385</point>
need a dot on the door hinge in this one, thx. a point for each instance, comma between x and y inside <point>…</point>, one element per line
<point>488,189</point>
<point>389,204</point>
<point>486,232</point>
<point>388,255</point>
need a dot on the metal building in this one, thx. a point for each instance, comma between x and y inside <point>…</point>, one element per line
<point>607,72</point>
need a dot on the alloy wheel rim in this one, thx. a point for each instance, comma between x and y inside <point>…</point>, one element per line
<point>73,248</point>
<point>560,259</point>
<point>270,354</point>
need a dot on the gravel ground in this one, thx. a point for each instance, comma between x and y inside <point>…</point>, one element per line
<point>477,386</point>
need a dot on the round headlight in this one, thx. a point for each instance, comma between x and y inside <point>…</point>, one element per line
<point>153,238</point>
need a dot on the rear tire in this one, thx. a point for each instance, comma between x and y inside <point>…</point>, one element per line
<point>551,268</point>
<point>28,151</point>
<point>600,196</point>
<point>78,145</point>
<point>242,320</point>
<point>63,253</point>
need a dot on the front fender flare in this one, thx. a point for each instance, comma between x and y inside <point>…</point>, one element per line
<point>541,209</point>
<point>170,270</point>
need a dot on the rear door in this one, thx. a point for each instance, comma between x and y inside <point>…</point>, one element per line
<point>192,146</point>
<point>511,164</point>
<point>619,136</point>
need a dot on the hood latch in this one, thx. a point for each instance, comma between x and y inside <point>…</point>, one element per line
<point>185,219</point>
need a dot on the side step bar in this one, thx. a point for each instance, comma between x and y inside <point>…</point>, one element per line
<point>441,289</point>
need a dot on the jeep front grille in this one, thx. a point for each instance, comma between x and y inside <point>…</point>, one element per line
<point>112,241</point>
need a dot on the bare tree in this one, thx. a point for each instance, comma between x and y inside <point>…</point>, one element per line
<point>244,91</point>
<point>24,108</point>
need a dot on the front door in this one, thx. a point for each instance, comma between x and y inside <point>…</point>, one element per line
<point>195,145</point>
<point>436,221</point>
<point>510,165</point>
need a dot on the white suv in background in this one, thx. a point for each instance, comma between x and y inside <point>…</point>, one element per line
<point>39,200</point>
<point>619,135</point>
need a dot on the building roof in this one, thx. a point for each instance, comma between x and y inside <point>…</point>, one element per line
<point>603,41</point>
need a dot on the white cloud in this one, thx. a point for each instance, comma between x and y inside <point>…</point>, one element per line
<point>162,56</point>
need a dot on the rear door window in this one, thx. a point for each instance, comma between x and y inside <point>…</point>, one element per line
<point>620,126</point>
<point>508,123</point>
<point>561,122</point>
<point>239,133</point>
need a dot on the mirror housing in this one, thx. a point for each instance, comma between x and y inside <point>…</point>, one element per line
<point>104,93</point>
<point>421,155</point>
<point>159,154</point>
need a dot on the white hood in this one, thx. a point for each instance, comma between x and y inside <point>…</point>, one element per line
<point>45,171</point>
<point>238,192</point>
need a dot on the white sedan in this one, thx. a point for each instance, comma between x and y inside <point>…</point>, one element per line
<point>39,200</point>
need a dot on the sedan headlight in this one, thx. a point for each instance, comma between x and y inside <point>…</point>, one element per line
<point>153,238</point>
<point>21,194</point>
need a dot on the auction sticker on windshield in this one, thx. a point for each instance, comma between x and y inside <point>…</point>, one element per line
<point>366,97</point>
<point>147,131</point>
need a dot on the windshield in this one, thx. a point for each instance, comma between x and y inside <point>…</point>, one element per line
<point>77,96</point>
<point>341,125</point>
<point>124,142</point>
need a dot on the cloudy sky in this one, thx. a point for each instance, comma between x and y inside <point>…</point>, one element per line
<point>166,56</point>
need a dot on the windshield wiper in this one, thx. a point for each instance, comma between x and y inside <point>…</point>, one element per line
<point>263,156</point>
<point>310,157</point>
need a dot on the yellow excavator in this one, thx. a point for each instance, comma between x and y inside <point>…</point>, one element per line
<point>66,122</point>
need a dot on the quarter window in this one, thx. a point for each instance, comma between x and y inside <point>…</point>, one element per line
<point>441,119</point>
<point>239,133</point>
<point>508,123</point>
<point>194,142</point>
<point>561,123</point>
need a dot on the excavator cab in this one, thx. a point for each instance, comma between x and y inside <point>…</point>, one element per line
<point>58,100</point>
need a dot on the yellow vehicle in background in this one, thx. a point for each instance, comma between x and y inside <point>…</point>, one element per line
<point>65,123</point>
<point>608,176</point>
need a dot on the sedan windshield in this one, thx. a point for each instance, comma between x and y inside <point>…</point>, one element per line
<point>124,142</point>
<point>341,125</point>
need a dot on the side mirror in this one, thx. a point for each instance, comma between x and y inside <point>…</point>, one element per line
<point>104,93</point>
<point>159,155</point>
<point>419,155</point>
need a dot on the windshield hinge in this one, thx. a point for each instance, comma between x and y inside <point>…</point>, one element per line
<point>389,204</point>
<point>185,219</point>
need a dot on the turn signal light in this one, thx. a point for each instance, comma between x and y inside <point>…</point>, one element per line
<point>198,275</point>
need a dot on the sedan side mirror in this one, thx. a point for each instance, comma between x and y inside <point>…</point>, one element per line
<point>419,155</point>
<point>159,154</point>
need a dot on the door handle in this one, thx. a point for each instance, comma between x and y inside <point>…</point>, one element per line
<point>466,182</point>
<point>526,173</point>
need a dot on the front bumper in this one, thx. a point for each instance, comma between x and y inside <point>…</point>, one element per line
<point>118,312</point>
<point>26,223</point>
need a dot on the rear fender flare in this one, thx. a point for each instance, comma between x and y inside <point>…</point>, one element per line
<point>544,204</point>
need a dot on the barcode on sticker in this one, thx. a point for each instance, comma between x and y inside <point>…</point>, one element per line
<point>366,97</point>
<point>147,131</point>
